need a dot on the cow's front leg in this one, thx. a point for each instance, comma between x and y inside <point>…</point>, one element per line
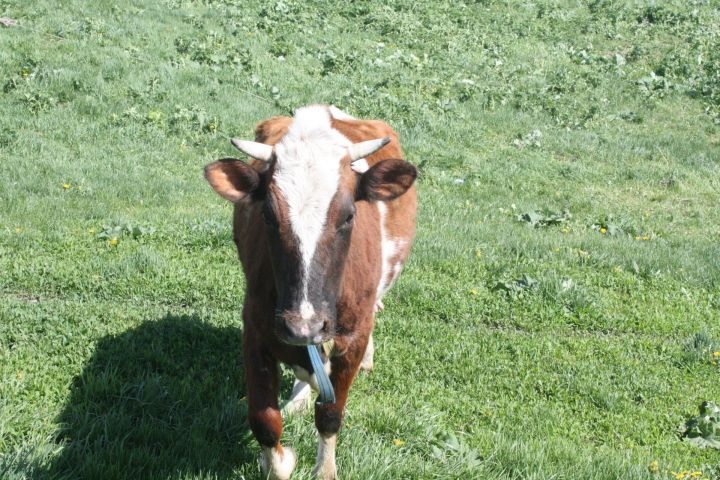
<point>328,417</point>
<point>325,468</point>
<point>261,372</point>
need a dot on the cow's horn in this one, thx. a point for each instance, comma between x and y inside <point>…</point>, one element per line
<point>363,149</point>
<point>256,150</point>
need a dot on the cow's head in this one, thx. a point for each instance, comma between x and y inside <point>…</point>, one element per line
<point>307,188</point>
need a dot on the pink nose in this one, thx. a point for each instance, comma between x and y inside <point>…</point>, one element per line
<point>292,328</point>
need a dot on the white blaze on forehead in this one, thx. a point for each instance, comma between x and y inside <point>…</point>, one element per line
<point>306,310</point>
<point>307,174</point>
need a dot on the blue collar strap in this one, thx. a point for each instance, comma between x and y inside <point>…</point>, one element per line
<point>325,387</point>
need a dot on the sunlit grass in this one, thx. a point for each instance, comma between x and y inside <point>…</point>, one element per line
<point>572,347</point>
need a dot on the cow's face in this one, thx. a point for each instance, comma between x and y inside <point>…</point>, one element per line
<point>307,193</point>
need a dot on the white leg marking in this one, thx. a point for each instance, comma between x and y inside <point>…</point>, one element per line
<point>325,468</point>
<point>278,463</point>
<point>368,359</point>
<point>299,398</point>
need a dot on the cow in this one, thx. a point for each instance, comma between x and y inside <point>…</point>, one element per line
<point>323,221</point>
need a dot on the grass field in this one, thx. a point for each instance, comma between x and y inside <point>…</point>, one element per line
<point>560,311</point>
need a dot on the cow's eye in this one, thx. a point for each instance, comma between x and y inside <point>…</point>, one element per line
<point>348,222</point>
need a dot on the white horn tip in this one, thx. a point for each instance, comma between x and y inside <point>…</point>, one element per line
<point>367,148</point>
<point>259,151</point>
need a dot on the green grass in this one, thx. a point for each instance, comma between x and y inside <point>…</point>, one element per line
<point>505,351</point>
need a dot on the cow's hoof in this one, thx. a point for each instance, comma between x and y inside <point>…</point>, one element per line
<point>278,464</point>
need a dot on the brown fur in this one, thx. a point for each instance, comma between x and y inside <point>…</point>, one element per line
<point>360,278</point>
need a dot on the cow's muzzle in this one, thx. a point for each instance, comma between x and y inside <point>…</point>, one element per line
<point>295,328</point>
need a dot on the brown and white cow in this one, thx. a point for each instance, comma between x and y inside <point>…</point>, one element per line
<point>324,219</point>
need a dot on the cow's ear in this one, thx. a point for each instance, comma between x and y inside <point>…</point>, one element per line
<point>386,180</point>
<point>232,179</point>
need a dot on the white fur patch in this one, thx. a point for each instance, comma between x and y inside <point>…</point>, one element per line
<point>276,465</point>
<point>325,468</point>
<point>360,166</point>
<point>390,247</point>
<point>306,310</point>
<point>384,257</point>
<point>305,376</point>
<point>387,247</point>
<point>308,175</point>
<point>368,358</point>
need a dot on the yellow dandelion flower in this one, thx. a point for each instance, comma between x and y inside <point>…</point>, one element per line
<point>113,241</point>
<point>696,474</point>
<point>19,375</point>
<point>66,186</point>
<point>473,291</point>
<point>645,237</point>
<point>637,237</point>
<point>18,230</point>
<point>603,230</point>
<point>398,442</point>
<point>653,467</point>
<point>716,354</point>
<point>91,231</point>
<point>478,253</point>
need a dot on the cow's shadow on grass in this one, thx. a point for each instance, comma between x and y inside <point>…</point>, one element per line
<point>163,400</point>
